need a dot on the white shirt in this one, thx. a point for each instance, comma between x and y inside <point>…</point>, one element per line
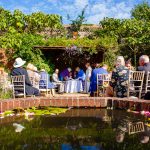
<point>88,73</point>
<point>55,77</point>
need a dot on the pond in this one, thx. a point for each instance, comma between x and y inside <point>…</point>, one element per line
<point>85,129</point>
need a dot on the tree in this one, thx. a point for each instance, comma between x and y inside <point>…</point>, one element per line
<point>6,19</point>
<point>141,12</point>
<point>37,22</point>
<point>77,23</point>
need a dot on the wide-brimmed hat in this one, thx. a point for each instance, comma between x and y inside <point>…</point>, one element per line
<point>18,62</point>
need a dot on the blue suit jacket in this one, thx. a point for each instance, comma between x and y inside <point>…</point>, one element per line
<point>81,75</point>
<point>95,72</point>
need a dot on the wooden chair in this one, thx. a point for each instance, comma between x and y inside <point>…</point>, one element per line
<point>136,78</point>
<point>147,86</point>
<point>43,87</point>
<point>103,81</point>
<point>34,83</point>
<point>18,86</point>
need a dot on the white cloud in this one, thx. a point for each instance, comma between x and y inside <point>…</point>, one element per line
<point>21,8</point>
<point>100,10</point>
<point>95,18</point>
<point>81,3</point>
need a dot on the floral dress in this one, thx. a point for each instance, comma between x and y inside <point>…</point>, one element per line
<point>119,81</point>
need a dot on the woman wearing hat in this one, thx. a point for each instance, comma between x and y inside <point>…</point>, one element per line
<point>33,75</point>
<point>19,70</point>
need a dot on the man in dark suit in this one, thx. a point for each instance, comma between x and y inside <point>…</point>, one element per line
<point>144,63</point>
<point>19,70</point>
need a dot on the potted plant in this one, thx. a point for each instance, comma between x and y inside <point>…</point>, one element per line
<point>77,23</point>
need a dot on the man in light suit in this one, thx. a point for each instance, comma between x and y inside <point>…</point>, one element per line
<point>87,77</point>
<point>57,82</point>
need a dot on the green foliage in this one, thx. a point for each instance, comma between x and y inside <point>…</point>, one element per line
<point>128,37</point>
<point>8,112</point>
<point>39,21</point>
<point>80,42</point>
<point>46,110</point>
<point>33,23</point>
<point>141,12</point>
<point>16,29</point>
<point>77,23</point>
<point>133,35</point>
<point>5,95</point>
<point>23,44</point>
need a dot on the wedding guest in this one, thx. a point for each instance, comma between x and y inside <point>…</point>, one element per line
<point>128,64</point>
<point>57,82</point>
<point>30,70</point>
<point>80,74</point>
<point>33,74</point>
<point>45,77</point>
<point>37,77</point>
<point>87,77</point>
<point>19,70</point>
<point>144,63</point>
<point>65,74</point>
<point>95,72</point>
<point>120,76</point>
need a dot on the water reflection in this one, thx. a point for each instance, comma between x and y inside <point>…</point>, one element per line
<point>91,129</point>
<point>18,127</point>
<point>70,147</point>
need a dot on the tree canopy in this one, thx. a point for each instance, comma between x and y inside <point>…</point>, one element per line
<point>127,37</point>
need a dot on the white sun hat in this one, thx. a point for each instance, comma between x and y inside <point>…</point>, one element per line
<point>18,62</point>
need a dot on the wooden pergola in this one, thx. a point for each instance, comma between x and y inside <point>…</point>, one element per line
<point>62,48</point>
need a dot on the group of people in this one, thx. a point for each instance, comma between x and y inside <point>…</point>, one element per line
<point>120,77</point>
<point>40,78</point>
<point>118,83</point>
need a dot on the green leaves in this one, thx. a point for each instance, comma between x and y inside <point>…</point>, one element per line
<point>33,23</point>
<point>37,22</point>
<point>77,23</point>
<point>141,12</point>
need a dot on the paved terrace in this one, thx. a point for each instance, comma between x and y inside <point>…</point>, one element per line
<point>71,100</point>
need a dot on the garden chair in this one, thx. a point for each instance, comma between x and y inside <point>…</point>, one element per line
<point>147,87</point>
<point>136,78</point>
<point>34,83</point>
<point>43,86</point>
<point>18,86</point>
<point>103,81</point>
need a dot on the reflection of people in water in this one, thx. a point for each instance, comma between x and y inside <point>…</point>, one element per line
<point>144,135</point>
<point>120,137</point>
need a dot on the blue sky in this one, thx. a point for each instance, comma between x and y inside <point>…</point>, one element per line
<point>96,10</point>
